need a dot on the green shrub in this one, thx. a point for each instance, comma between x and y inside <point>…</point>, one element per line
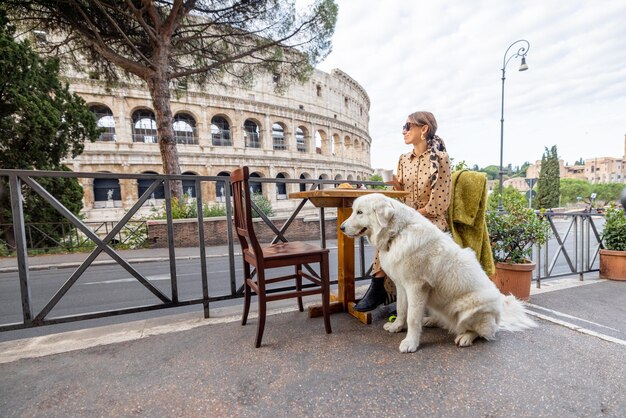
<point>614,235</point>
<point>512,233</point>
<point>263,204</point>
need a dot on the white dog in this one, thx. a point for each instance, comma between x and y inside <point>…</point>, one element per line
<point>431,271</point>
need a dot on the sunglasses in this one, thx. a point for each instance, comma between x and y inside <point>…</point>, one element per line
<point>407,126</point>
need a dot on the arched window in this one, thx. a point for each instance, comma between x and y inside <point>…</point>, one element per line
<point>303,185</point>
<point>189,186</point>
<point>300,141</point>
<point>144,184</point>
<point>254,186</point>
<point>251,136</point>
<point>185,129</point>
<point>220,194</point>
<point>106,193</point>
<point>220,132</point>
<point>104,120</point>
<point>144,128</point>
<point>318,142</point>
<point>278,136</point>
<point>323,177</point>
<point>281,188</point>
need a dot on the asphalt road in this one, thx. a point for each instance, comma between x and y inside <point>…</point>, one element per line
<point>108,287</point>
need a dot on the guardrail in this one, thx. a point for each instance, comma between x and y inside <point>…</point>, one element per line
<point>575,245</point>
<point>105,244</point>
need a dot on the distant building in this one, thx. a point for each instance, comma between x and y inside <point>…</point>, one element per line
<point>595,170</point>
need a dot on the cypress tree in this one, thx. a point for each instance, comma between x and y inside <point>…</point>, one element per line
<point>549,180</point>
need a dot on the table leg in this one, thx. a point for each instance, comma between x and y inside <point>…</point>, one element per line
<point>345,275</point>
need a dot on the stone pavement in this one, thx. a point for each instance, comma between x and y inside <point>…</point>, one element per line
<point>571,365</point>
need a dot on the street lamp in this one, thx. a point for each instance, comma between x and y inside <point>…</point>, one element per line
<point>521,52</point>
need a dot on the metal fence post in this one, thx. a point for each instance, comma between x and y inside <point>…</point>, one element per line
<point>20,245</point>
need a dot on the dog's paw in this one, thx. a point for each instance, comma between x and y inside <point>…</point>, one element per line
<point>409,345</point>
<point>394,326</point>
<point>466,339</point>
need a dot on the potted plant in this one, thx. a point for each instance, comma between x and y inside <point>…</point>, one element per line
<point>512,234</point>
<point>613,255</point>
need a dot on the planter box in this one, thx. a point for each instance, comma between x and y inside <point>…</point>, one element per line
<point>613,265</point>
<point>514,279</point>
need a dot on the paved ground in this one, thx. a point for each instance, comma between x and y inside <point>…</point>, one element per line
<point>572,365</point>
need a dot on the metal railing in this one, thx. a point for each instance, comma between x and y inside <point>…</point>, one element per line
<point>105,242</point>
<point>575,245</point>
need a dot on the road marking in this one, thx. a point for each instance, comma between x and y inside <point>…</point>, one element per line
<point>569,316</point>
<point>132,279</point>
<point>579,329</point>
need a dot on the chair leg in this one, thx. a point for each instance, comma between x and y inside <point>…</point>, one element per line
<point>262,304</point>
<point>325,291</point>
<point>246,293</point>
<point>299,285</point>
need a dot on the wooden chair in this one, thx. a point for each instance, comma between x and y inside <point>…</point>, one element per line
<point>273,256</point>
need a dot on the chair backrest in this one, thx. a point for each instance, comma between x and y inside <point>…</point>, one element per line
<point>243,210</point>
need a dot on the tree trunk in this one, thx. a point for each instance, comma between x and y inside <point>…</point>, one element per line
<point>160,92</point>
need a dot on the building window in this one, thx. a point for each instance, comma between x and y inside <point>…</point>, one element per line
<point>251,136</point>
<point>278,137</point>
<point>220,195</point>
<point>144,128</point>
<point>255,187</point>
<point>319,90</point>
<point>220,132</point>
<point>189,186</point>
<point>300,141</point>
<point>106,193</point>
<point>303,185</point>
<point>144,184</point>
<point>281,188</point>
<point>185,129</point>
<point>104,120</point>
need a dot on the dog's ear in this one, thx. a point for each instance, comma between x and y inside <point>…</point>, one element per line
<point>383,209</point>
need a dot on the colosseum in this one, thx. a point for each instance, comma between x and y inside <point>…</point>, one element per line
<point>317,130</point>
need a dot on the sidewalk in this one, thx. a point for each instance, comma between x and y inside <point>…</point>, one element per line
<point>572,364</point>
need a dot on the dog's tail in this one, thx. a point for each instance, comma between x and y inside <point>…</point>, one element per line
<point>514,316</point>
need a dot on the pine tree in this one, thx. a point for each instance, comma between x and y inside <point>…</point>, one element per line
<point>41,122</point>
<point>548,184</point>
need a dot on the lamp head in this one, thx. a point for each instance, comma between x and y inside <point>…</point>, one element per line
<point>523,66</point>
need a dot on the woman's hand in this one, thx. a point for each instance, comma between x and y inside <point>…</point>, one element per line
<point>395,183</point>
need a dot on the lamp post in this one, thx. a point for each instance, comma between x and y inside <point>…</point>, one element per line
<point>524,46</point>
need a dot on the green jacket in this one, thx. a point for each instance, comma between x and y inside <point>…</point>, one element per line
<point>466,215</point>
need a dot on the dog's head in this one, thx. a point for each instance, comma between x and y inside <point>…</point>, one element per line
<point>370,214</point>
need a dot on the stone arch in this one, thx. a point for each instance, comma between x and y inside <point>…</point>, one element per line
<point>302,139</point>
<point>220,131</point>
<point>320,142</point>
<point>104,120</point>
<point>106,190</point>
<point>335,145</point>
<point>304,176</point>
<point>348,148</point>
<point>144,184</point>
<point>189,186</point>
<point>350,177</point>
<point>144,126</point>
<point>185,131</point>
<point>281,188</point>
<point>256,187</point>
<point>220,194</point>
<point>323,177</point>
<point>252,133</point>
<point>279,136</point>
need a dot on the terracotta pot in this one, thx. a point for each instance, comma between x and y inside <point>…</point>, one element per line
<point>613,265</point>
<point>514,279</point>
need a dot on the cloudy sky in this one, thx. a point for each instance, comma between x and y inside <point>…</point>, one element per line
<point>446,56</point>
